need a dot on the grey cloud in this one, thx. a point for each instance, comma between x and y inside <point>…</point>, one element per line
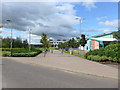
<point>41,17</point>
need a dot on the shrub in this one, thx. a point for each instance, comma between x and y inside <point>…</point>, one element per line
<point>115,59</point>
<point>109,53</point>
<point>89,57</point>
<point>110,58</point>
<point>112,50</point>
<point>99,52</point>
<point>96,58</point>
<point>104,58</point>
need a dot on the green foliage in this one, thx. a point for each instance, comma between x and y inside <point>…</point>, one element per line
<point>116,35</point>
<point>83,40</point>
<point>16,43</point>
<point>72,43</point>
<point>115,42</point>
<point>112,50</point>
<point>109,53</point>
<point>25,44</point>
<point>6,42</point>
<point>21,52</point>
<point>99,52</point>
<point>44,41</point>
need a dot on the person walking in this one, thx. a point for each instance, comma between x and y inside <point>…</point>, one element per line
<point>62,50</point>
<point>45,52</point>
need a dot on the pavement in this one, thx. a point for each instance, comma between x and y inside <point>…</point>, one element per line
<point>0,73</point>
<point>70,63</point>
<point>20,75</point>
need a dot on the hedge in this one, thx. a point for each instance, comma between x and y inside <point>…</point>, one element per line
<point>102,58</point>
<point>109,53</point>
<point>21,52</point>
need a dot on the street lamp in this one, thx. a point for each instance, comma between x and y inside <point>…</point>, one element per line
<point>11,38</point>
<point>81,20</point>
<point>30,39</point>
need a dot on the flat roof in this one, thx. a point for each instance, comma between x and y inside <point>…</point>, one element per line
<point>103,39</point>
<point>103,34</point>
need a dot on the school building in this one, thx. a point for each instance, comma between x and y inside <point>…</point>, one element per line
<point>99,41</point>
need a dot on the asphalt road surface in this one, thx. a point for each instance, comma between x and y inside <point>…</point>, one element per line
<point>19,75</point>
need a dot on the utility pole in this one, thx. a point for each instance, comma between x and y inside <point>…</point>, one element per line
<point>11,41</point>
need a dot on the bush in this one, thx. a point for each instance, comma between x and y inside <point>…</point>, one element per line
<point>89,57</point>
<point>109,53</point>
<point>112,50</point>
<point>104,58</point>
<point>110,58</point>
<point>99,52</point>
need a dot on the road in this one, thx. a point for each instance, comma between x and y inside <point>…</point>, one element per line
<point>19,75</point>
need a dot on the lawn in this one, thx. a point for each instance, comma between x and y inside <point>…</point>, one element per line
<point>74,54</point>
<point>21,52</point>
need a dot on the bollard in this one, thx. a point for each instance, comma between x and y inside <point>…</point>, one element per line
<point>71,52</point>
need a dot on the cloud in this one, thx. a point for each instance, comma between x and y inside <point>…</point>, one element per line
<point>0,30</point>
<point>54,19</point>
<point>112,23</point>
<point>100,18</point>
<point>93,30</point>
<point>89,4</point>
<point>106,30</point>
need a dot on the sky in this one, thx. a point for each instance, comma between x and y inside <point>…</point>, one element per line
<point>59,20</point>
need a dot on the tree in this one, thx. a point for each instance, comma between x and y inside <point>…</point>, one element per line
<point>25,43</point>
<point>44,41</point>
<point>72,43</point>
<point>117,35</point>
<point>6,42</point>
<point>83,40</point>
<point>17,43</point>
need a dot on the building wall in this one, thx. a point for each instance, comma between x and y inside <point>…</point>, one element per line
<point>107,36</point>
<point>92,44</point>
<point>88,46</point>
<point>95,44</point>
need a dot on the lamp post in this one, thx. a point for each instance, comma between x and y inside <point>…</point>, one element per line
<point>81,20</point>
<point>11,41</point>
<point>30,39</point>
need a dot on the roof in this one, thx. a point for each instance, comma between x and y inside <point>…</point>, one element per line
<point>103,39</point>
<point>104,34</point>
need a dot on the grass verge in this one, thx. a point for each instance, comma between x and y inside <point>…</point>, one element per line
<point>81,56</point>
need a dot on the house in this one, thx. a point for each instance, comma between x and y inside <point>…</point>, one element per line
<point>99,41</point>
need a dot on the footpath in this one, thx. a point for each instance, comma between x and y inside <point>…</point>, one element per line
<point>70,63</point>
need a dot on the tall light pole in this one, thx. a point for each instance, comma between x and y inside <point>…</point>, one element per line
<point>30,39</point>
<point>81,20</point>
<point>11,41</point>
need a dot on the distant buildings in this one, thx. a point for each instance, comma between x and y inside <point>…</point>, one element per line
<point>56,42</point>
<point>99,41</point>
